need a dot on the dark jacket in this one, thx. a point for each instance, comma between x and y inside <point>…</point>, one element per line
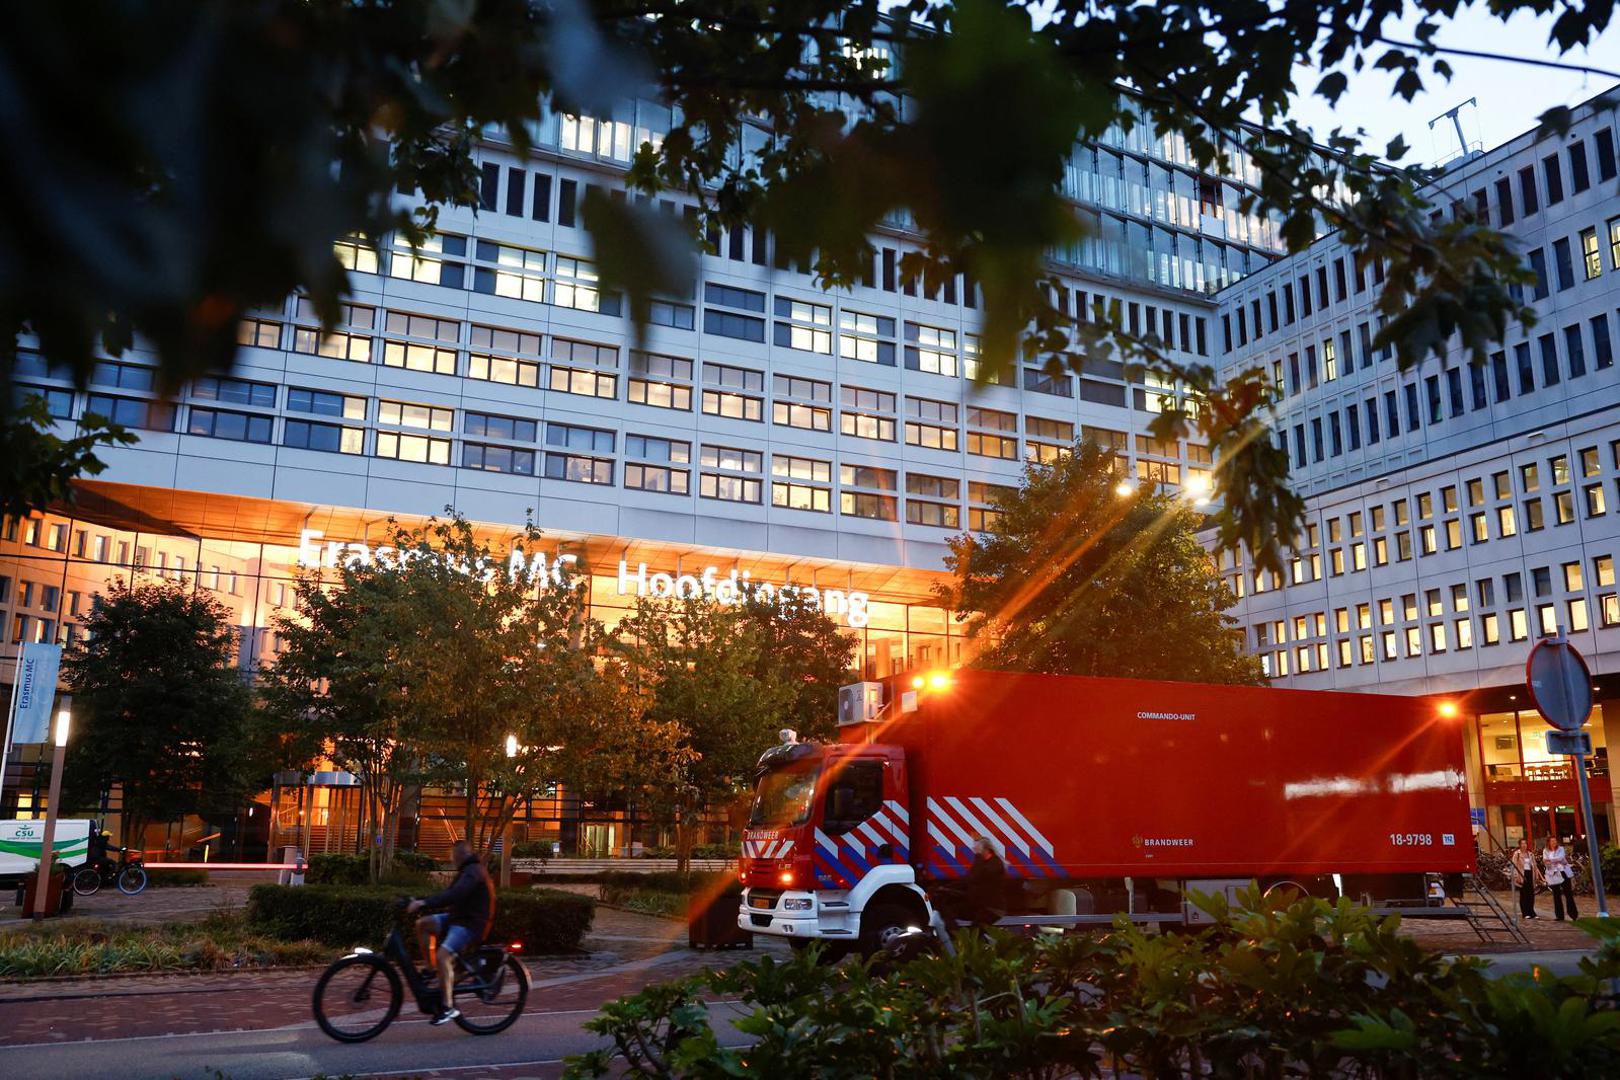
<point>470,899</point>
<point>985,889</point>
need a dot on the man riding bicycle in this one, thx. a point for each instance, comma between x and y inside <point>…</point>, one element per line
<point>469,909</point>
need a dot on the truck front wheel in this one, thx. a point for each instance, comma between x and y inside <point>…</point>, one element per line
<point>883,923</point>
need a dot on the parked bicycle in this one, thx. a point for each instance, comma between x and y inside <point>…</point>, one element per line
<point>361,994</point>
<point>126,873</point>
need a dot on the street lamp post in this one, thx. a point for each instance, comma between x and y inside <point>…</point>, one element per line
<point>506,827</point>
<point>42,891</point>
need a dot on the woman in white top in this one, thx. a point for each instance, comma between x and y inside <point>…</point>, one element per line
<point>1526,875</point>
<point>1560,877</point>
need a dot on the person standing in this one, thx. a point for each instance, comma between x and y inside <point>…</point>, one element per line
<point>1560,877</point>
<point>1525,877</point>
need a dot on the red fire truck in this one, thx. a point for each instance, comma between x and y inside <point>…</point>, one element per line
<point>1106,795</point>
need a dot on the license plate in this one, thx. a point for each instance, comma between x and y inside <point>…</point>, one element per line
<point>759,901</point>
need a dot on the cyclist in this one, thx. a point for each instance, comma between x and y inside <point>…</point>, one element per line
<point>469,905</point>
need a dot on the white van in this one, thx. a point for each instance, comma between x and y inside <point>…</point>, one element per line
<point>20,843</point>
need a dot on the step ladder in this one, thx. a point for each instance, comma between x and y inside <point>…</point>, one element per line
<point>1486,915</point>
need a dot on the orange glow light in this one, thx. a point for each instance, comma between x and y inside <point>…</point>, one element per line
<point>1448,709</point>
<point>786,878</point>
<point>939,680</point>
<point>917,683</point>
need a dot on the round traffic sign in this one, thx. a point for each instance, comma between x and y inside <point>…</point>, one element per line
<point>1560,683</point>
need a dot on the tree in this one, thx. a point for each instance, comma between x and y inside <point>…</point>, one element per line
<point>433,660</point>
<point>160,709</point>
<point>714,674</point>
<point>1075,578</point>
<point>805,651</point>
<point>213,172</point>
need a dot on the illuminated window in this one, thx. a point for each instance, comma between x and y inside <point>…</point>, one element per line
<point>418,448</point>
<point>356,253</point>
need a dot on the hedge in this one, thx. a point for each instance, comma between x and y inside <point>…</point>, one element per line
<point>619,885</point>
<point>544,920</point>
<point>162,878</point>
<point>411,869</point>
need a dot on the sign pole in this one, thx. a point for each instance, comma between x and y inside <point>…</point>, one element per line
<point>42,886</point>
<point>1579,762</point>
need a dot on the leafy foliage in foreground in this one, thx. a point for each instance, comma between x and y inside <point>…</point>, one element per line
<point>212,174</point>
<point>1281,989</point>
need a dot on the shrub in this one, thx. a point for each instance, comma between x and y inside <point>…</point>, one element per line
<point>1305,988</point>
<point>415,860</point>
<point>532,849</point>
<point>338,869</point>
<point>82,947</point>
<point>160,878</point>
<point>716,851</point>
<point>1610,857</point>
<point>618,883</point>
<point>544,920</point>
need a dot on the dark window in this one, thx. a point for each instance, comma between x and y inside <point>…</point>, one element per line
<point>1316,439</point>
<point>235,391</point>
<point>219,424</point>
<point>1538,266</point>
<point>1577,353</point>
<point>1299,446</point>
<point>1352,423</point>
<point>746,299</point>
<point>1550,375</point>
<point>1476,385</point>
<point>1499,376</point>
<point>499,427</point>
<point>1454,390</point>
<point>1504,202</point>
<point>854,796</point>
<point>1341,287</point>
<point>1602,347</point>
<point>490,185</point>
<point>1436,410</point>
<point>1564,263</point>
<point>1555,179</point>
<point>540,204</point>
<point>1203,344</point>
<point>312,435</point>
<point>1527,371</point>
<point>1288,304</point>
<point>514,192</point>
<point>501,459</point>
<point>1603,141</point>
<point>1305,295</point>
<point>1412,420</point>
<point>567,203</point>
<point>1372,419</point>
<point>1578,179</point>
<point>726,324</point>
<point>1392,416</point>
<point>1527,190</point>
<point>1335,434</point>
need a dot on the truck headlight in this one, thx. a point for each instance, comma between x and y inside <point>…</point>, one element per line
<point>796,904</point>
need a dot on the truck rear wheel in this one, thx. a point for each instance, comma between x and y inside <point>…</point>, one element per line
<point>883,922</point>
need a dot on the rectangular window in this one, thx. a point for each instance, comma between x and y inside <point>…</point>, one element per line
<point>861,413</point>
<point>859,338</point>
<point>660,381</point>
<point>987,442</point>
<point>324,403</point>
<point>810,328</point>
<point>578,287</point>
<point>500,459</point>
<point>797,483</point>
<point>132,412</point>
<point>1563,263</point>
<point>517,273</point>
<point>1555,179</point>
<point>499,427</point>
<point>1529,197</point>
<point>220,424</point>
<point>1575,350</point>
<point>419,448</point>
<point>235,391</point>
<point>330,438</point>
<point>931,349</point>
<point>733,397</point>
<point>582,381</point>
<point>409,414</point>
<point>578,469</point>
<point>656,478</point>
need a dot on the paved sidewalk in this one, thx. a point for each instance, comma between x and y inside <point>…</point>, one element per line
<point>171,904</point>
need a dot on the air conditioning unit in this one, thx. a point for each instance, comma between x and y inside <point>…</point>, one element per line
<point>859,703</point>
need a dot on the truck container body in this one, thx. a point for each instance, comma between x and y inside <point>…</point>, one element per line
<point>1126,794</point>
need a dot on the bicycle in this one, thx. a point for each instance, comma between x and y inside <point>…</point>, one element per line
<point>127,873</point>
<point>492,987</point>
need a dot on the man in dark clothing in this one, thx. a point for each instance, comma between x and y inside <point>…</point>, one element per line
<point>981,897</point>
<point>469,905</point>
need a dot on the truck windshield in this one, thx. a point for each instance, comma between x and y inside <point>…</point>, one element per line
<point>784,797</point>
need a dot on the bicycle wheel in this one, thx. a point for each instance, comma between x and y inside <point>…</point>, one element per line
<point>495,1005</point>
<point>87,882</point>
<point>131,880</point>
<point>356,998</point>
